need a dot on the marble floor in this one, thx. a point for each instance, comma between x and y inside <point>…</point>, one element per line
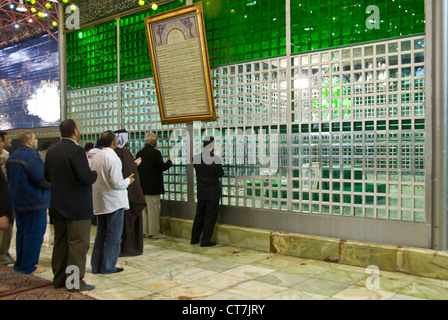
<point>172,269</point>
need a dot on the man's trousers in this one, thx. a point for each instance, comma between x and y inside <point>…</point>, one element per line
<point>205,220</point>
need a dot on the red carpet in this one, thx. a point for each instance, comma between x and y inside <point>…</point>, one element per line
<point>17,286</point>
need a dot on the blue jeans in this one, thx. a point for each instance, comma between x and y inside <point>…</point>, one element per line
<point>107,242</point>
<point>31,226</point>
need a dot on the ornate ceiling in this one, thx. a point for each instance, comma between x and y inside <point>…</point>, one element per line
<point>18,26</point>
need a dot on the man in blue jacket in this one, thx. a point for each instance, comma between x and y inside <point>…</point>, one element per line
<point>30,197</point>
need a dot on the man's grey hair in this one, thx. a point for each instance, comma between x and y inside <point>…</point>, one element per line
<point>24,137</point>
<point>150,137</point>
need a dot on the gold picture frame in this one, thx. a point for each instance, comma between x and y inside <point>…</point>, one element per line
<point>180,63</point>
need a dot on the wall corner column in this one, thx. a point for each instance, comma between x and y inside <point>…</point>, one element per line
<point>62,48</point>
<point>439,177</point>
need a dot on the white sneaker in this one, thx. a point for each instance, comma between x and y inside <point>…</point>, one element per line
<point>159,236</point>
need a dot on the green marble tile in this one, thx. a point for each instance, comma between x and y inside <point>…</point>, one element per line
<point>365,254</point>
<point>190,274</point>
<point>343,276</point>
<point>296,295</point>
<point>277,262</point>
<point>240,237</point>
<point>362,293</point>
<point>303,246</point>
<point>249,272</point>
<point>309,268</point>
<point>235,236</point>
<point>322,287</point>
<point>220,281</point>
<point>219,251</point>
<point>284,279</point>
<point>174,269</point>
<point>423,262</point>
<point>224,295</point>
<point>176,227</point>
<point>218,265</point>
<point>256,289</point>
<point>190,259</point>
<point>159,283</point>
<point>415,261</point>
<point>424,288</point>
<point>390,281</point>
<point>403,297</point>
<point>243,256</point>
<point>120,292</point>
<point>189,291</point>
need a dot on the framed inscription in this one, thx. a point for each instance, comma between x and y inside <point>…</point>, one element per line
<point>179,58</point>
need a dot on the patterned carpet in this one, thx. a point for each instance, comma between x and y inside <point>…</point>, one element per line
<point>17,286</point>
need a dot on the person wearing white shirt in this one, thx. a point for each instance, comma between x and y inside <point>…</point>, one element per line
<point>110,199</point>
<point>92,152</point>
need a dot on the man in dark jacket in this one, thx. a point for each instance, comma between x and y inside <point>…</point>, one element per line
<point>5,204</point>
<point>6,216</point>
<point>132,237</point>
<point>208,167</point>
<point>151,179</point>
<point>6,234</point>
<point>67,169</point>
<point>30,197</point>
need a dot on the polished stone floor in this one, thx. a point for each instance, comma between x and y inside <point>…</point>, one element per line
<point>172,269</point>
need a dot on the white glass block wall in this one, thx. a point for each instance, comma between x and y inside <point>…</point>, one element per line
<point>342,131</point>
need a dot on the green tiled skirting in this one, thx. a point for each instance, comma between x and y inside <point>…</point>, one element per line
<point>415,261</point>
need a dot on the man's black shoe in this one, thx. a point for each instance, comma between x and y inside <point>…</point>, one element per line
<point>210,244</point>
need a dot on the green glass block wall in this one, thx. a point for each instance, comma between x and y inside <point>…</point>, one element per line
<point>244,30</point>
<point>321,24</point>
<point>92,56</point>
<point>135,61</point>
<point>240,31</point>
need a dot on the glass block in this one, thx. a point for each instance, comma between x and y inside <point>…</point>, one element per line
<point>406,215</point>
<point>85,66</point>
<point>419,216</point>
<point>419,44</point>
<point>394,214</point>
